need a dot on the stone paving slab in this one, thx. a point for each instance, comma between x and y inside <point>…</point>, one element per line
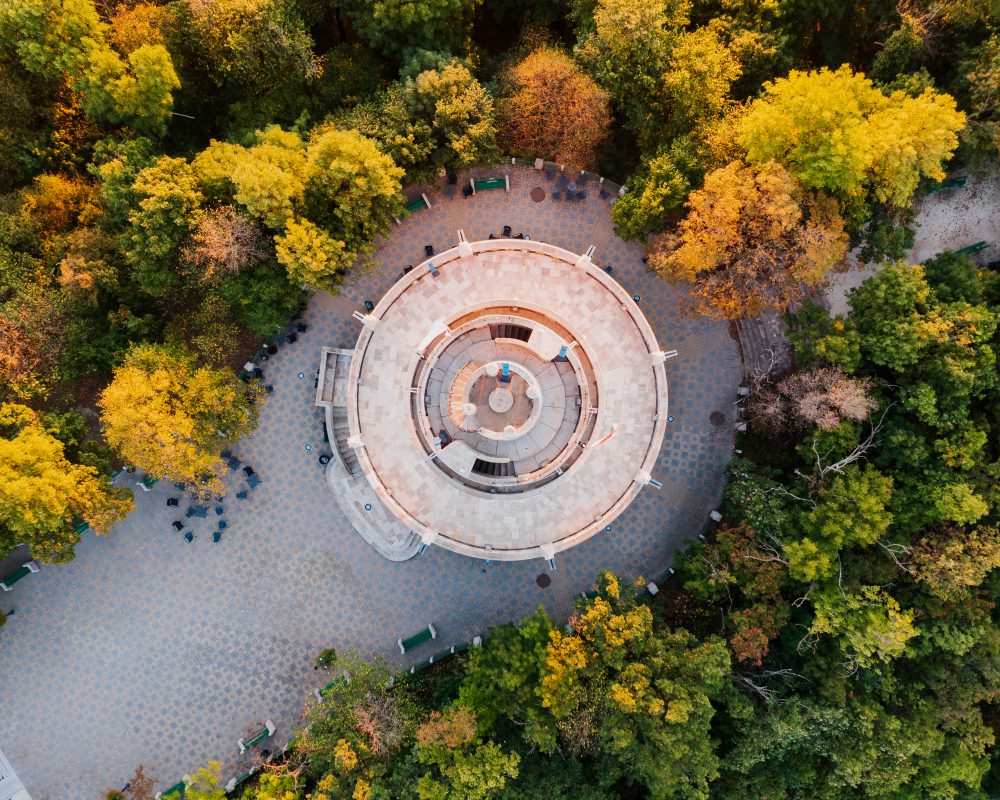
<point>147,649</point>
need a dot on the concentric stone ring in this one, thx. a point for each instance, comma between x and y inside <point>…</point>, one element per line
<point>512,404</point>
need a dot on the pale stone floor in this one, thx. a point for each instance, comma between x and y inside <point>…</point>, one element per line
<point>150,650</point>
<point>616,349</point>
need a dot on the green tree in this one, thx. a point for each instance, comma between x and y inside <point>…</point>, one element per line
<point>867,623</point>
<point>168,208</point>
<point>982,78</point>
<point>171,419</point>
<point>432,25</point>
<point>359,729</point>
<point>738,565</point>
<point>263,297</point>
<point>463,766</point>
<point>955,277</point>
<point>827,751</point>
<point>643,695</point>
<point>354,192</point>
<point>23,124</point>
<point>66,39</point>
<point>656,190</point>
<point>437,116</point>
<point>629,51</point>
<point>43,496</point>
<point>253,44</point>
<point>502,679</point>
<point>116,164</point>
<point>851,512</point>
<point>458,111</point>
<point>939,352</point>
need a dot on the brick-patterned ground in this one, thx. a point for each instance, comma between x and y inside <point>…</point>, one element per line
<point>147,649</point>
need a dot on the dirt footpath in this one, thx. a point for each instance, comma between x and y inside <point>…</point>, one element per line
<point>946,220</point>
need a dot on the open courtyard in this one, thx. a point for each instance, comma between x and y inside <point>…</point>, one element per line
<point>150,650</point>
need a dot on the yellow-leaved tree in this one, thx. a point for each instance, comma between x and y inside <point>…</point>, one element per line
<point>751,239</point>
<point>44,496</point>
<point>836,131</point>
<point>326,197</point>
<point>310,254</point>
<point>172,418</point>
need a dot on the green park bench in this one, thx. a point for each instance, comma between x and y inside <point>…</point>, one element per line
<point>485,184</point>
<point>414,206</point>
<point>425,635</point>
<point>177,790</point>
<point>147,483</point>
<point>653,586</point>
<point>257,738</point>
<point>973,248</point>
<point>420,666</point>
<point>80,526</point>
<point>441,655</point>
<point>418,205</point>
<point>323,691</point>
<point>21,572</point>
<point>952,183</point>
<point>238,780</point>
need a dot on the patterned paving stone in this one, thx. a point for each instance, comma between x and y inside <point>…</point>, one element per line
<point>147,649</point>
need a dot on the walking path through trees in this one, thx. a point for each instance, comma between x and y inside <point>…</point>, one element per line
<point>147,649</point>
<point>946,220</point>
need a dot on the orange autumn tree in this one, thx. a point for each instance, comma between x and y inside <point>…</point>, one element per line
<point>32,338</point>
<point>752,238</point>
<point>554,110</point>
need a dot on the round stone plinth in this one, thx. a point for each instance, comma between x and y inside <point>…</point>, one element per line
<point>565,382</point>
<point>501,400</point>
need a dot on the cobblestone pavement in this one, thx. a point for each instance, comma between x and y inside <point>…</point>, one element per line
<point>147,649</point>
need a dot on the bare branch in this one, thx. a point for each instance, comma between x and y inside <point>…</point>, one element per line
<point>895,549</point>
<point>856,454</point>
<point>800,601</point>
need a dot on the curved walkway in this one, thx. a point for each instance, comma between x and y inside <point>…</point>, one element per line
<point>150,650</point>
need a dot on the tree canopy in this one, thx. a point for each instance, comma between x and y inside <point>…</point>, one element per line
<point>177,178</point>
<point>548,79</point>
<point>836,131</point>
<point>171,418</point>
<point>43,495</point>
<point>750,239</point>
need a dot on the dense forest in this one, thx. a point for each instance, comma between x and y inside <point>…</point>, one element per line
<point>177,177</point>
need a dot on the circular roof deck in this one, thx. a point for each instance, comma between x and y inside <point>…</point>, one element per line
<point>509,403</point>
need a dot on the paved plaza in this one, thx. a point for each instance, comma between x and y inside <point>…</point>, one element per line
<point>147,649</point>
